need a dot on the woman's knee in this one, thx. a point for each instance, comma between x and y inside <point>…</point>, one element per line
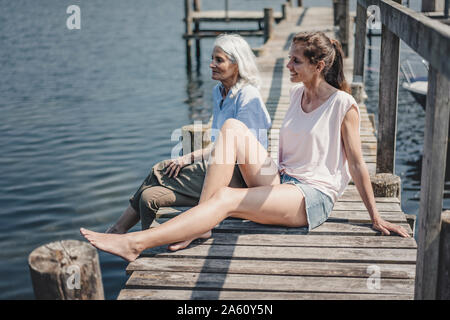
<point>155,197</point>
<point>224,197</point>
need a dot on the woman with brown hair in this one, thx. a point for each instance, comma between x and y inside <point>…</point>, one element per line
<point>319,150</point>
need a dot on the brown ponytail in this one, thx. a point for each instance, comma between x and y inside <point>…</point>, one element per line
<point>318,47</point>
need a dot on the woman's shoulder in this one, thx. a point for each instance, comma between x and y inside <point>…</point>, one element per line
<point>346,99</point>
<point>248,92</point>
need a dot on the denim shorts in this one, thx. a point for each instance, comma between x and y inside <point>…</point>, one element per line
<point>318,204</point>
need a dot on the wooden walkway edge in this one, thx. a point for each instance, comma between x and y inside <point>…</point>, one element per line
<point>344,258</point>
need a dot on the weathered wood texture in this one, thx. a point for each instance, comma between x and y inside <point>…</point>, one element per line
<point>66,270</point>
<point>245,260</point>
<point>432,183</point>
<point>428,37</point>
<point>443,290</point>
<point>386,185</point>
<point>387,103</point>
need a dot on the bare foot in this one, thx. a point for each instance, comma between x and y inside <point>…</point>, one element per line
<point>184,244</point>
<point>119,245</point>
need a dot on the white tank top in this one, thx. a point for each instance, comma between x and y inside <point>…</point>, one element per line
<point>311,148</point>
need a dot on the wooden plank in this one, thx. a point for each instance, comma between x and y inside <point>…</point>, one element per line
<point>220,15</point>
<point>291,268</point>
<point>325,254</point>
<point>218,281</point>
<point>310,240</point>
<point>340,228</point>
<point>329,227</point>
<point>167,294</point>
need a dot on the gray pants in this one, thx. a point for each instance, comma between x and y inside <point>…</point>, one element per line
<point>158,190</point>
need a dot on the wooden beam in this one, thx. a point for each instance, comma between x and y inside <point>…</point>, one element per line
<point>429,38</point>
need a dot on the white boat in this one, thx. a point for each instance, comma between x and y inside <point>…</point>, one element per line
<point>417,86</point>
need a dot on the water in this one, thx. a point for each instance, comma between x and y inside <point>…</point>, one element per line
<point>85,113</point>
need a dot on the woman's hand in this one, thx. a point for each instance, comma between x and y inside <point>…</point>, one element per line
<point>386,227</point>
<point>175,165</point>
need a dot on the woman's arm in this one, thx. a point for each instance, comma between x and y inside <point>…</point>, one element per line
<point>360,174</point>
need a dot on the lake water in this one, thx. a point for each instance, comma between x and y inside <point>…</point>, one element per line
<point>85,113</point>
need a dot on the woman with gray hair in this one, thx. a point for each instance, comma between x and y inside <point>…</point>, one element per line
<point>179,182</point>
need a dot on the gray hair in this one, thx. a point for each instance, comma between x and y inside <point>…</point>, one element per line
<point>239,52</point>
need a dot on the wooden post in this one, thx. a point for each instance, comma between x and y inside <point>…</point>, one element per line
<point>432,5</point>
<point>195,137</point>
<point>300,3</point>
<point>360,44</point>
<point>443,292</point>
<point>283,11</point>
<point>432,184</point>
<point>358,92</point>
<point>386,185</point>
<point>411,219</point>
<point>66,270</point>
<point>343,17</point>
<point>268,23</point>
<point>197,8</point>
<point>335,12</point>
<point>188,31</point>
<point>387,101</point>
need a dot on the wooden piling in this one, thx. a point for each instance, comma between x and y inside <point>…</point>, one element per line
<point>432,183</point>
<point>195,137</point>
<point>387,103</point>
<point>360,44</point>
<point>343,20</point>
<point>443,290</point>
<point>188,32</point>
<point>66,270</point>
<point>197,8</point>
<point>268,23</point>
<point>386,185</point>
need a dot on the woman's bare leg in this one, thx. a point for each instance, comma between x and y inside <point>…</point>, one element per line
<point>277,204</point>
<point>235,143</point>
<point>202,218</point>
<point>126,221</point>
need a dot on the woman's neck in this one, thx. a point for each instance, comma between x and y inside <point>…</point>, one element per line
<point>317,90</point>
<point>229,83</point>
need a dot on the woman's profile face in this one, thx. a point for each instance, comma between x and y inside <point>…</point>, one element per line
<point>221,66</point>
<point>301,70</point>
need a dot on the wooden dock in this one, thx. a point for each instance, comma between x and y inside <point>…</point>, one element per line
<point>344,258</point>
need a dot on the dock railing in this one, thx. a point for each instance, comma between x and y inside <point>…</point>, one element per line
<point>431,40</point>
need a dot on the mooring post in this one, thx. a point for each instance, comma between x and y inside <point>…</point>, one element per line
<point>188,33</point>
<point>360,44</point>
<point>343,17</point>
<point>268,23</point>
<point>443,292</point>
<point>432,184</point>
<point>197,8</point>
<point>387,101</point>
<point>66,270</point>
<point>195,136</point>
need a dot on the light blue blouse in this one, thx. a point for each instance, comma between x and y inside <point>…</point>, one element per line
<point>245,105</point>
